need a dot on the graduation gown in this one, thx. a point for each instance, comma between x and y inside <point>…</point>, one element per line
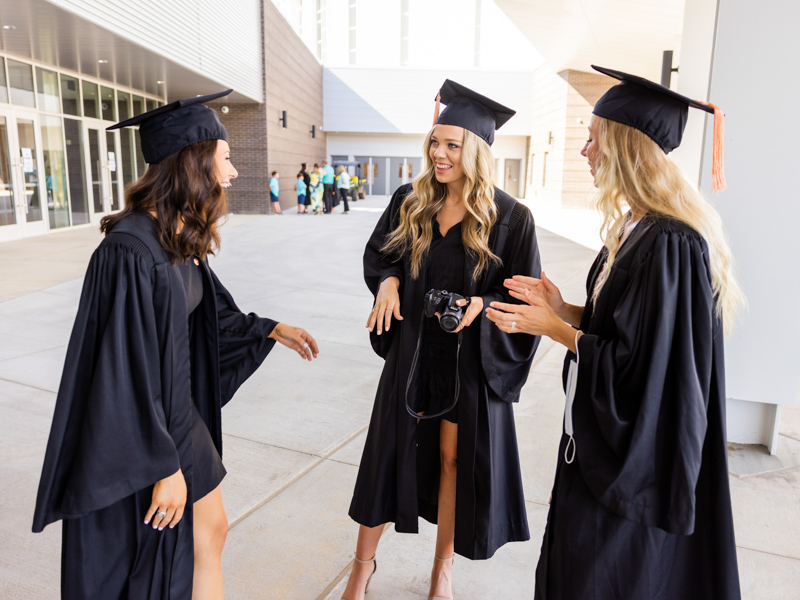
<point>644,511</point>
<point>398,478</point>
<point>123,415</point>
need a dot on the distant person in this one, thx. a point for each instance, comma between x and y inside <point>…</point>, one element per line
<point>307,181</point>
<point>343,186</point>
<point>301,194</point>
<point>133,465</point>
<point>328,191</point>
<point>316,192</point>
<point>641,504</point>
<point>274,190</point>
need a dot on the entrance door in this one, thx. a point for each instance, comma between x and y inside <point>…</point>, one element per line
<point>97,165</point>
<point>511,184</point>
<point>21,210</point>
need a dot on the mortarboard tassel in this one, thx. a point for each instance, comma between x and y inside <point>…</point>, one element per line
<point>436,110</point>
<point>718,166</point>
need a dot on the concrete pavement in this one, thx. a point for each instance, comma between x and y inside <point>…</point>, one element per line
<point>295,430</point>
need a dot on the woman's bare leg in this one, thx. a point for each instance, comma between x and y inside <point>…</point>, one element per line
<point>210,531</point>
<point>446,529</point>
<point>368,538</point>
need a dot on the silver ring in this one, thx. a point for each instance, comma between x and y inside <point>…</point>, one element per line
<point>374,310</point>
<point>161,514</point>
<point>305,345</point>
<point>513,324</point>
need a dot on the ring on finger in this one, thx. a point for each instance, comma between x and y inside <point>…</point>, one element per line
<point>161,514</point>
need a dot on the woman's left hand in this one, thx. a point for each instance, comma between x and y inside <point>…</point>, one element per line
<point>535,318</point>
<point>473,310</point>
<point>297,339</point>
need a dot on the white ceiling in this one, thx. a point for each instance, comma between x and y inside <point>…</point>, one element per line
<point>627,35</point>
<point>47,34</point>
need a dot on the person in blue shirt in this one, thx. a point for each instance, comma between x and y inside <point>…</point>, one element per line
<point>328,177</point>
<point>301,194</point>
<point>343,186</point>
<point>274,188</point>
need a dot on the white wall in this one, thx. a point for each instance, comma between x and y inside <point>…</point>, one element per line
<point>751,80</point>
<point>222,42</point>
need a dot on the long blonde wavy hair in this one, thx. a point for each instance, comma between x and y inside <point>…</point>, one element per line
<point>632,171</point>
<point>415,230</point>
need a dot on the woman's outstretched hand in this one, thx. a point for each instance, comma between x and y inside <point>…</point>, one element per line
<point>297,339</point>
<point>387,303</point>
<point>169,500</point>
<point>543,288</point>
<point>535,318</point>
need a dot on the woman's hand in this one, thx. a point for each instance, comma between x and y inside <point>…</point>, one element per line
<point>473,310</point>
<point>296,339</point>
<point>169,500</point>
<point>544,288</point>
<point>387,303</point>
<point>536,318</point>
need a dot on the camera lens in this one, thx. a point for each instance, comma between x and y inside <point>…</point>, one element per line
<point>449,322</point>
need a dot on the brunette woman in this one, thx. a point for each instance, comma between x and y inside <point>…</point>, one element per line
<point>641,503</point>
<point>133,463</point>
<point>441,442</point>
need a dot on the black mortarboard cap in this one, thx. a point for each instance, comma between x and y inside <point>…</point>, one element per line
<point>470,110</point>
<point>658,112</point>
<point>172,127</point>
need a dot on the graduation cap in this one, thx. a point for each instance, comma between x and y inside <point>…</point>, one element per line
<point>470,110</point>
<point>658,112</point>
<point>172,127</point>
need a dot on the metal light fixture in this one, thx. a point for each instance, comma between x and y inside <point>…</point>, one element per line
<point>103,61</point>
<point>9,27</point>
<point>313,131</point>
<point>282,119</point>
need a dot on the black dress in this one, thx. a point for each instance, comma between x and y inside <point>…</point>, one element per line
<point>398,478</point>
<point>438,357</point>
<point>644,511</point>
<point>139,371</point>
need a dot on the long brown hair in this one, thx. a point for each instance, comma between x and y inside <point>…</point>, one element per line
<point>182,188</point>
<point>414,232</point>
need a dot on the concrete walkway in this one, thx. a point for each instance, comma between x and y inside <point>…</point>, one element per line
<point>295,430</point>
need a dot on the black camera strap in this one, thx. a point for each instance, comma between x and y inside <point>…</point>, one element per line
<point>414,368</point>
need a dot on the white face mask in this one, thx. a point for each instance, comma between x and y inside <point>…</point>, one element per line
<point>572,385</point>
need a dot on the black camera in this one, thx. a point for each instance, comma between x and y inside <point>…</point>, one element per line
<point>444,303</point>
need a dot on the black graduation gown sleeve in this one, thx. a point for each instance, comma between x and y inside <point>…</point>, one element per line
<point>109,436</point>
<point>507,358</point>
<point>243,341</point>
<point>640,412</point>
<point>378,266</point>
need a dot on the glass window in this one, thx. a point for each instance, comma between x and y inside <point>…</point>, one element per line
<point>91,100</point>
<point>127,154</point>
<point>20,78</point>
<point>107,104</point>
<point>141,166</point>
<point>78,194</point>
<point>70,96</point>
<point>47,88</point>
<point>138,105</point>
<point>7,211</point>
<point>113,169</point>
<point>55,174</point>
<point>124,105</point>
<point>151,105</point>
<point>3,88</point>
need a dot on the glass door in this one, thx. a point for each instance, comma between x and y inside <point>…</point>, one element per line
<point>96,167</point>
<point>21,208</point>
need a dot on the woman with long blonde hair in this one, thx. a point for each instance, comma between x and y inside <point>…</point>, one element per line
<point>441,443</point>
<point>641,502</point>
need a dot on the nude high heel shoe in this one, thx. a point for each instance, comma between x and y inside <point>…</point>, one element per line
<point>364,562</point>
<point>452,558</point>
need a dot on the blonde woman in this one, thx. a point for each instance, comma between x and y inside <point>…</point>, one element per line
<point>641,504</point>
<point>441,443</point>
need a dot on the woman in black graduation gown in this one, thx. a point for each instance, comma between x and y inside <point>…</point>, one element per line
<point>451,230</point>
<point>641,503</point>
<point>133,461</point>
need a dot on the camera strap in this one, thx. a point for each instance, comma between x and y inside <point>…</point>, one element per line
<point>414,368</point>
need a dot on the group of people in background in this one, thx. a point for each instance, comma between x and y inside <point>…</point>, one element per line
<point>319,191</point>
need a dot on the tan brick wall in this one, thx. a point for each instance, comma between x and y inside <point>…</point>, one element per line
<point>259,143</point>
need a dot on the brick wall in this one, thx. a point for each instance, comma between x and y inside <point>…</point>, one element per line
<point>259,143</point>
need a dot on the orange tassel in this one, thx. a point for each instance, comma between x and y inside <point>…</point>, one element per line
<point>718,165</point>
<point>436,110</point>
